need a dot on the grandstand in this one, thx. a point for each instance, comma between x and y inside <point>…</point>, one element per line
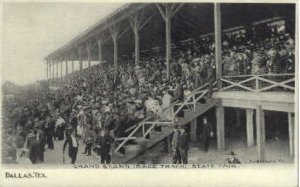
<point>234,63</point>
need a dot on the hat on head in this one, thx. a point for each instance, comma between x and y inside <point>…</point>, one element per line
<point>230,153</point>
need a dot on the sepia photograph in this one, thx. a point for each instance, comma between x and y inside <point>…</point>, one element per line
<point>149,85</point>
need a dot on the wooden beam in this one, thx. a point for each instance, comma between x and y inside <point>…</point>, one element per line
<point>291,132</point>
<point>220,126</point>
<point>260,133</point>
<point>249,127</point>
<point>218,43</point>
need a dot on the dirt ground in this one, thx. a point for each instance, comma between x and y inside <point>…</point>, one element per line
<point>277,151</point>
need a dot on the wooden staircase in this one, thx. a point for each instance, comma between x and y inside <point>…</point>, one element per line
<point>148,134</point>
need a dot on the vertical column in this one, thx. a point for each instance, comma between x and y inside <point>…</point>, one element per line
<point>72,65</point>
<point>88,50</point>
<point>168,45</point>
<point>194,130</point>
<point>260,133</point>
<point>100,42</point>
<point>114,35</point>
<point>167,11</point>
<point>250,136</point>
<point>50,69</point>
<point>220,126</point>
<point>53,64</point>
<point>80,58</point>
<point>47,69</point>
<point>291,132</point>
<point>67,66</point>
<point>218,43</point>
<point>61,69</point>
<point>56,69</point>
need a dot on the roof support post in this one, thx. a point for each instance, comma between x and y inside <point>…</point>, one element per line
<point>291,121</point>
<point>53,64</point>
<point>47,68</point>
<point>137,23</point>
<point>218,43</point>
<point>220,126</point>
<point>260,133</point>
<point>72,66</point>
<point>114,36</point>
<point>80,57</point>
<point>99,43</point>
<point>56,69</point>
<point>66,60</point>
<point>167,11</point>
<point>61,68</point>
<point>88,46</point>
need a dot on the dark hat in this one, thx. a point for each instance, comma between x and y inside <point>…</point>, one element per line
<point>230,153</point>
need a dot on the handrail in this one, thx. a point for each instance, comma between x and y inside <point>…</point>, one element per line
<point>140,124</point>
<point>263,82</point>
<point>271,74</point>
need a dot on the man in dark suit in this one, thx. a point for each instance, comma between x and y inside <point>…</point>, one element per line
<point>49,131</point>
<point>73,146</point>
<point>207,133</point>
<point>103,142</point>
<point>33,145</point>
<point>184,145</point>
<point>231,159</point>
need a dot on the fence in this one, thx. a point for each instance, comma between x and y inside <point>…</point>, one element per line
<point>259,83</point>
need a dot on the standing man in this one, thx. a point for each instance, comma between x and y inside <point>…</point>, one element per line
<point>73,146</point>
<point>207,133</point>
<point>184,145</point>
<point>49,132</point>
<point>175,146</point>
<point>103,142</point>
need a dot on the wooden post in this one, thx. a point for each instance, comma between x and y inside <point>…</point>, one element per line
<point>137,23</point>
<point>134,23</point>
<point>53,64</point>
<point>218,44</point>
<point>57,69</point>
<point>194,130</point>
<point>72,65</point>
<point>167,11</point>
<point>61,69</point>
<point>260,133</point>
<point>291,132</point>
<point>80,58</point>
<point>249,124</point>
<point>47,68</point>
<point>114,35</point>
<point>99,43</point>
<point>88,50</point>
<point>67,66</point>
<point>50,70</point>
<point>220,126</point>
<point>168,45</point>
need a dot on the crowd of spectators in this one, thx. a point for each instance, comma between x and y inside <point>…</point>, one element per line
<point>101,98</point>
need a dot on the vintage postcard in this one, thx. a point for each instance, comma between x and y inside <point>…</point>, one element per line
<point>199,93</point>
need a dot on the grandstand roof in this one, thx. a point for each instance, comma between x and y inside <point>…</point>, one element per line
<point>193,19</point>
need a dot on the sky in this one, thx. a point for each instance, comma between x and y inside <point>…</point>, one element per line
<point>31,31</point>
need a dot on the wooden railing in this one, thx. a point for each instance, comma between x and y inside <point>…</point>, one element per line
<point>259,83</point>
<point>189,102</point>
